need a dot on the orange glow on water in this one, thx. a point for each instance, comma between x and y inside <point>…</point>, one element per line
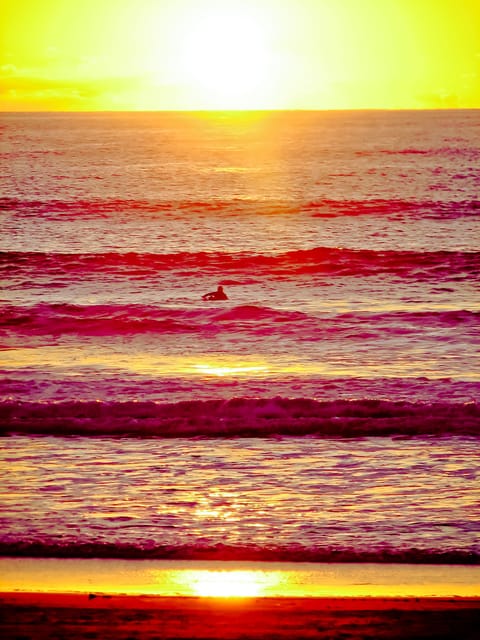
<point>229,370</point>
<point>204,365</point>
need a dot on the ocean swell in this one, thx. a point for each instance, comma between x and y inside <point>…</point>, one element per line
<point>115,319</point>
<point>323,207</point>
<point>320,260</point>
<point>241,417</point>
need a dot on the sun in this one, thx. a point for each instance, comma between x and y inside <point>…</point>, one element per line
<point>224,56</point>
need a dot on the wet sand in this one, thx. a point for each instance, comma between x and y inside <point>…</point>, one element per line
<point>39,616</point>
<point>192,578</point>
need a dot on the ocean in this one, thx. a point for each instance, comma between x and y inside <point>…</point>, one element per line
<point>326,411</point>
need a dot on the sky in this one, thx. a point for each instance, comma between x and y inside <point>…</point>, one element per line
<point>73,55</point>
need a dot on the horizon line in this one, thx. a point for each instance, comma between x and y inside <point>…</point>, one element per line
<point>239,111</point>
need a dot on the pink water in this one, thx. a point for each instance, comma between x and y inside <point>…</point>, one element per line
<point>349,247</point>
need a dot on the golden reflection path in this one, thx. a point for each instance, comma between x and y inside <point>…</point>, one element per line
<point>72,359</point>
<point>237,579</point>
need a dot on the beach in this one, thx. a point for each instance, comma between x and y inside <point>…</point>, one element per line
<point>58,598</point>
<point>81,616</point>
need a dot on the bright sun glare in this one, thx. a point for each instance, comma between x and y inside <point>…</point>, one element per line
<point>222,370</point>
<point>230,584</point>
<point>224,55</point>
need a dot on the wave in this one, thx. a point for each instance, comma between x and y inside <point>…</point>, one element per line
<point>333,262</point>
<point>325,207</point>
<point>41,384</point>
<point>225,552</point>
<point>241,417</point>
<point>387,207</point>
<point>99,320</point>
<point>136,318</point>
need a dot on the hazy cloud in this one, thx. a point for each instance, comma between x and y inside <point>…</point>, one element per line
<point>16,87</point>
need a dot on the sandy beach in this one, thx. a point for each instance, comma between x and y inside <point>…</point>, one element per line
<point>40,616</point>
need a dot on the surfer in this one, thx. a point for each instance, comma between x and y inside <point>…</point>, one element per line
<point>219,294</point>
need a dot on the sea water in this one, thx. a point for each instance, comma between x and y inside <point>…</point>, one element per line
<point>327,410</point>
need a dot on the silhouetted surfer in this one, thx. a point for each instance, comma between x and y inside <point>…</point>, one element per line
<point>219,294</point>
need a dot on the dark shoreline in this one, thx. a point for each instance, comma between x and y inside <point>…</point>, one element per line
<point>38,616</point>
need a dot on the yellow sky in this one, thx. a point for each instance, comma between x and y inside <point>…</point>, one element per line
<point>239,54</point>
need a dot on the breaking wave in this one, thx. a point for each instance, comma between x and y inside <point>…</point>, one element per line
<point>225,552</point>
<point>241,417</point>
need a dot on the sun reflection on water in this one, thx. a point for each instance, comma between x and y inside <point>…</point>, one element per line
<point>228,584</point>
<point>222,370</point>
<point>242,580</point>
